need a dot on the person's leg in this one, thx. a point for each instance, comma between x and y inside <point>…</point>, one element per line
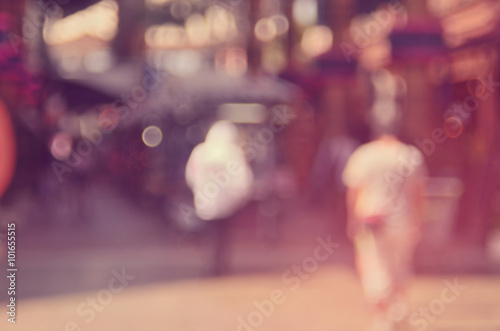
<point>399,262</point>
<point>371,266</point>
<point>221,237</point>
<point>371,256</point>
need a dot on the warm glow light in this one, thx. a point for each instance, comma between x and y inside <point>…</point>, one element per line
<point>152,4</point>
<point>166,36</point>
<point>97,21</point>
<point>305,12</point>
<point>376,55</point>
<point>467,64</point>
<point>280,23</point>
<point>273,58</point>
<point>443,7</point>
<point>222,23</point>
<point>218,25</point>
<point>152,136</point>
<point>472,23</point>
<point>316,40</point>
<point>265,30</point>
<point>197,30</point>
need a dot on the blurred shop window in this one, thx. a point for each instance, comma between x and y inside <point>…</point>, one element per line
<point>216,25</point>
<point>81,42</point>
<point>99,21</point>
<point>185,38</point>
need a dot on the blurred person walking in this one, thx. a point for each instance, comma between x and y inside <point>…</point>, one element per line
<point>385,180</point>
<point>220,178</point>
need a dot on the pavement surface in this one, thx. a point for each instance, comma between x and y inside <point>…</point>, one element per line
<point>328,299</point>
<point>123,267</point>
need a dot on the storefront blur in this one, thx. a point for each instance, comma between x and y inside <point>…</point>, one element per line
<point>470,30</point>
<point>234,53</point>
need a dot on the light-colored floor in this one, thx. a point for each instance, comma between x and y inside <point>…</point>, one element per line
<point>328,299</point>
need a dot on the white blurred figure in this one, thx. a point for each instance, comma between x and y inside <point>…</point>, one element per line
<point>385,181</point>
<point>221,179</point>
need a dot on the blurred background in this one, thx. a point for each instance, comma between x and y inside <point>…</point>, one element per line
<point>103,102</point>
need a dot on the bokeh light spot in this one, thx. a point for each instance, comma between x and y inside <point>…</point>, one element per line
<point>60,145</point>
<point>453,127</point>
<point>152,136</point>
